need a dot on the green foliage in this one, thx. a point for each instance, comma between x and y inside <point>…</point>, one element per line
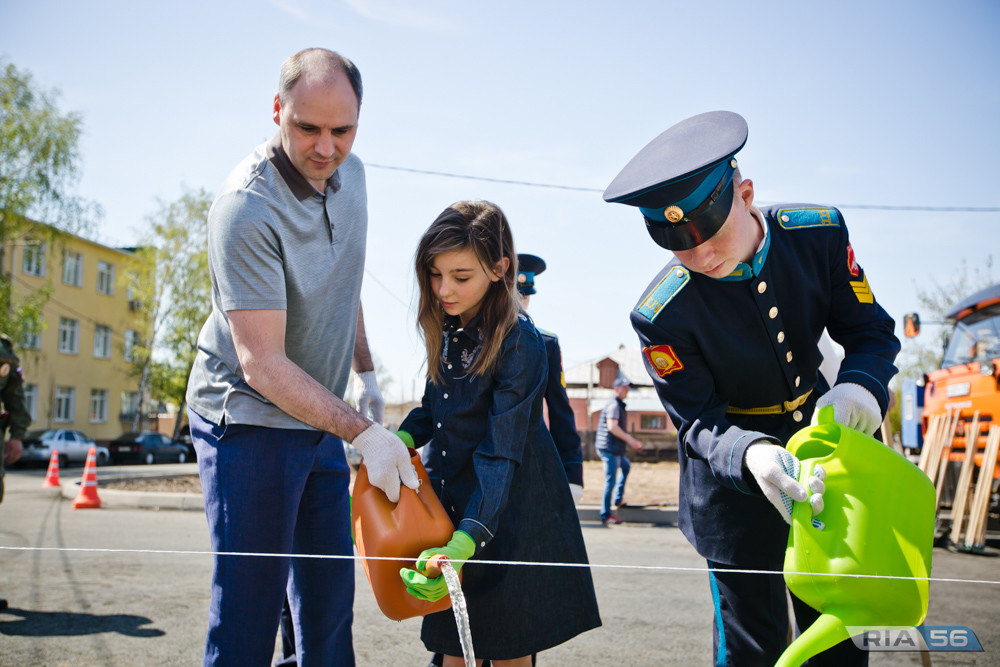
<point>923,353</point>
<point>172,284</point>
<point>39,160</point>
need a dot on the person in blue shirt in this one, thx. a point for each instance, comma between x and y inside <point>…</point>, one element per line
<point>488,454</point>
<point>729,332</point>
<point>562,422</point>
<point>609,441</point>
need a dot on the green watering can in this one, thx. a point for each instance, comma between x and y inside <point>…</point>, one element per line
<point>878,519</point>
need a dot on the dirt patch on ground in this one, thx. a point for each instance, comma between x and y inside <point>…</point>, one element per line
<point>648,483</point>
<point>177,484</point>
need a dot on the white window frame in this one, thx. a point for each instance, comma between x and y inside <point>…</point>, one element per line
<point>69,336</point>
<point>33,259</point>
<point>65,405</point>
<point>98,406</point>
<point>32,341</point>
<point>105,278</point>
<point>73,268</point>
<point>102,342</point>
<point>31,400</point>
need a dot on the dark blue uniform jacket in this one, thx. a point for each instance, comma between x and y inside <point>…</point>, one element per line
<point>562,423</point>
<point>750,341</point>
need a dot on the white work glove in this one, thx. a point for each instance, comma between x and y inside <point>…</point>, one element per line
<point>368,395</point>
<point>387,460</point>
<point>853,406</point>
<point>777,475</point>
<point>577,492</point>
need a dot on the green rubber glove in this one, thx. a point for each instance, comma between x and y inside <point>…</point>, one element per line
<point>406,438</point>
<point>459,548</point>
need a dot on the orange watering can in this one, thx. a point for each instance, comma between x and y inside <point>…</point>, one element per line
<point>879,520</point>
<point>399,530</point>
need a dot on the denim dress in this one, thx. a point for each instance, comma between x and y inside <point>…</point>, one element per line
<point>493,464</point>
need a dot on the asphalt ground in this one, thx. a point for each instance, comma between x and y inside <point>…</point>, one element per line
<point>124,604</point>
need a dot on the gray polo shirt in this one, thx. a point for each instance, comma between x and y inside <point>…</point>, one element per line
<point>275,243</point>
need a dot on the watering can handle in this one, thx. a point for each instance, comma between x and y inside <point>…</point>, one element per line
<point>824,415</point>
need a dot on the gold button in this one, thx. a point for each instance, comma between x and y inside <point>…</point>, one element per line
<point>797,380</point>
<point>446,395</point>
<point>781,336</point>
<point>773,313</point>
<point>680,273</point>
<point>762,287</point>
<point>789,355</point>
<point>797,415</point>
<point>784,218</point>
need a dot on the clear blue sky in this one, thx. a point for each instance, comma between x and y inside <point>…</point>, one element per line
<point>852,103</point>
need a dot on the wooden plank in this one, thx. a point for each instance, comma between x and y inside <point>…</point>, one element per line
<point>943,439</point>
<point>932,426</point>
<point>958,506</point>
<point>887,438</point>
<point>975,534</point>
<point>928,455</point>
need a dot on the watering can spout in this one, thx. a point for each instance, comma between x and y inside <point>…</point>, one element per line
<point>827,631</point>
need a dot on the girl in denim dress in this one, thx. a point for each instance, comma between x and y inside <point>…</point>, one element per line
<point>488,454</point>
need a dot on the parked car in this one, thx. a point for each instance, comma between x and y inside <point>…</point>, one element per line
<point>147,447</point>
<point>72,446</point>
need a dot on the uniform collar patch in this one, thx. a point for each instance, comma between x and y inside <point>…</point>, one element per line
<point>746,271</point>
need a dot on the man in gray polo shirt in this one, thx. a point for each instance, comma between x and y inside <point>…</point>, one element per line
<point>286,253</point>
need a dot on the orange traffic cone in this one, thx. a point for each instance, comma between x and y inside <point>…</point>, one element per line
<point>52,476</point>
<point>88,485</point>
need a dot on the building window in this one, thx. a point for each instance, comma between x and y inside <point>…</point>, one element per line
<point>34,259</point>
<point>105,278</point>
<point>131,343</point>
<point>69,336</point>
<point>102,342</point>
<point>31,341</point>
<point>65,404</point>
<point>654,422</point>
<point>130,405</point>
<point>73,268</point>
<point>31,400</point>
<point>98,406</point>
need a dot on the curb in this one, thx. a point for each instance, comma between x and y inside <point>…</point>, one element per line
<point>657,515</point>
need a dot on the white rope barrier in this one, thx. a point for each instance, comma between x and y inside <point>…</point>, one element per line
<point>604,566</point>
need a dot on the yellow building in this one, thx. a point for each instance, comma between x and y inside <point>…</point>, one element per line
<point>76,371</point>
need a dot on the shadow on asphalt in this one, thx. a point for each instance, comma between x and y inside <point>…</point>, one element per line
<point>67,624</point>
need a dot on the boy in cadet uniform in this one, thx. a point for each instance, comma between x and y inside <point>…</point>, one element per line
<point>729,331</point>
<point>15,411</point>
<point>562,423</point>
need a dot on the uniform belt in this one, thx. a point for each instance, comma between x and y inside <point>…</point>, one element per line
<point>779,409</point>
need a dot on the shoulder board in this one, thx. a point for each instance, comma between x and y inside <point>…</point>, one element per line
<point>662,293</point>
<point>546,333</point>
<point>801,218</point>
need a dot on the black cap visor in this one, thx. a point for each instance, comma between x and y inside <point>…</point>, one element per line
<point>694,230</point>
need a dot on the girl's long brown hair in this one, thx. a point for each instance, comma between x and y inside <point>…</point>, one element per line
<point>483,228</point>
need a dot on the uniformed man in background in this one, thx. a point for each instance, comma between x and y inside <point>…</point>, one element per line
<point>562,423</point>
<point>15,411</point>
<point>729,331</point>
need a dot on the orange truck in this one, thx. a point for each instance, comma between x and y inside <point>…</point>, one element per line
<point>968,379</point>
